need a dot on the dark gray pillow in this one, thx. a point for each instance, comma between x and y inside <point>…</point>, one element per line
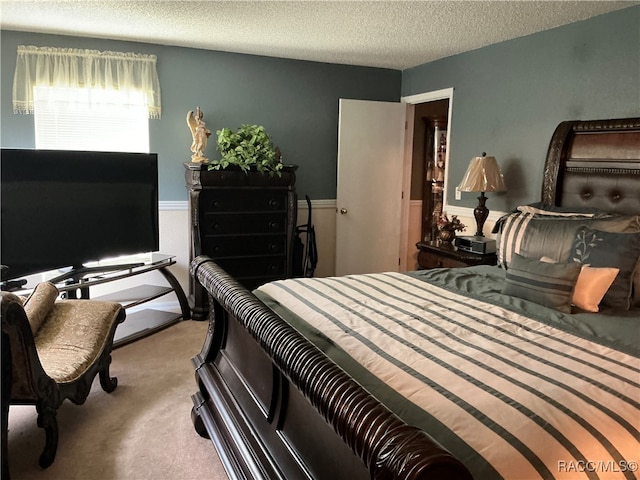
<point>609,249</point>
<point>548,284</point>
<point>536,236</point>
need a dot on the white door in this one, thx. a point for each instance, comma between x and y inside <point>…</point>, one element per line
<point>369,188</point>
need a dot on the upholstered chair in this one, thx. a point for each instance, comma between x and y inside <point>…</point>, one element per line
<point>52,350</point>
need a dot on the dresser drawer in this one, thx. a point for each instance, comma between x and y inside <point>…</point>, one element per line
<point>273,266</point>
<point>219,246</point>
<point>427,260</point>
<point>229,200</point>
<point>242,223</point>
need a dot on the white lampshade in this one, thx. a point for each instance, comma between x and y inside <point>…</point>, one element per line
<point>483,175</point>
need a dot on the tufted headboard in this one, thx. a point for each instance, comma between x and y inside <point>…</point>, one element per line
<point>594,164</point>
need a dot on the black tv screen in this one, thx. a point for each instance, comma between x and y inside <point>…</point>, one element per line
<point>66,208</point>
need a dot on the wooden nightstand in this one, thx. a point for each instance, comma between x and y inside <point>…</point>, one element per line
<point>438,255</point>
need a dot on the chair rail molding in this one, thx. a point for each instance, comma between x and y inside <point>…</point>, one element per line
<point>173,205</point>
<point>180,205</point>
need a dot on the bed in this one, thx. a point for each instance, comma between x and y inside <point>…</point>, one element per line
<point>529,369</point>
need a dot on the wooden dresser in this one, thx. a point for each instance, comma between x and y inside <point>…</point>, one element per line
<point>244,221</point>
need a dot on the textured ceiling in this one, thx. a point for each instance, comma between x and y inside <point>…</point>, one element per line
<point>390,34</point>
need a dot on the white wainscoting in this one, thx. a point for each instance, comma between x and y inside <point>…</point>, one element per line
<point>174,239</point>
<point>415,233</point>
<point>323,218</point>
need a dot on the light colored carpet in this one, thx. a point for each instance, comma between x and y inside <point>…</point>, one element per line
<point>141,431</point>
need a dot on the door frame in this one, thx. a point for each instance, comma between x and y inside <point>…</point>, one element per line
<point>412,100</point>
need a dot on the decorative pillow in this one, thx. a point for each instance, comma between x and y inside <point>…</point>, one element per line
<point>39,304</point>
<point>535,235</point>
<point>557,213</point>
<point>548,284</point>
<point>614,250</point>
<point>557,209</point>
<point>592,285</point>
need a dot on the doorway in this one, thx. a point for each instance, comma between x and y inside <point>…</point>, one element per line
<point>428,159</point>
<point>392,133</point>
<point>429,166</point>
<point>371,160</point>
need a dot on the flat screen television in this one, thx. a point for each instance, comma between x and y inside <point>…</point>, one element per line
<point>67,208</point>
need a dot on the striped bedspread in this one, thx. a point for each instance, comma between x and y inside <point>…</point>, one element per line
<point>512,397</point>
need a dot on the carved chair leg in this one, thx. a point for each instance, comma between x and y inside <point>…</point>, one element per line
<point>47,420</point>
<point>108,383</point>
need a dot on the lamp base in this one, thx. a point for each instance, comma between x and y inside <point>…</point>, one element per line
<point>481,212</point>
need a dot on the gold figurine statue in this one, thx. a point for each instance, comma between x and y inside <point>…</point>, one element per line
<point>200,134</point>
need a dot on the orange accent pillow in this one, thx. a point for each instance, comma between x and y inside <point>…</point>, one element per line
<point>592,285</point>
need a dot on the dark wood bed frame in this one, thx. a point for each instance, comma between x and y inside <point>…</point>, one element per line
<point>276,407</point>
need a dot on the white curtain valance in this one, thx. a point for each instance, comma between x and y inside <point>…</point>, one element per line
<point>90,69</point>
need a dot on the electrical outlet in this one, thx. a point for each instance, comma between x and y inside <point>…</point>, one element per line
<point>458,194</point>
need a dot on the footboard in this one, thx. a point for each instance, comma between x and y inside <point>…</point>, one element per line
<point>275,406</point>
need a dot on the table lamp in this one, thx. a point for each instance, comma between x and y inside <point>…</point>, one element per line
<point>483,175</point>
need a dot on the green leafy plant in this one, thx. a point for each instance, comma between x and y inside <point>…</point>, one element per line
<point>248,148</point>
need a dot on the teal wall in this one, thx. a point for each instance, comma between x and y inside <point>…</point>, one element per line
<point>296,101</point>
<point>508,98</point>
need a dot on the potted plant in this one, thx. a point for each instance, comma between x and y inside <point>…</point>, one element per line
<point>447,228</point>
<point>250,147</point>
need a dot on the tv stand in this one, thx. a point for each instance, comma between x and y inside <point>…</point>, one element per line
<point>77,274</point>
<point>13,285</point>
<point>77,283</point>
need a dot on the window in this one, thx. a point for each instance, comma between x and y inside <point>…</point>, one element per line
<point>86,99</point>
<point>90,119</point>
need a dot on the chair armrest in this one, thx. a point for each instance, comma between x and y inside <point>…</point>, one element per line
<point>29,378</point>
